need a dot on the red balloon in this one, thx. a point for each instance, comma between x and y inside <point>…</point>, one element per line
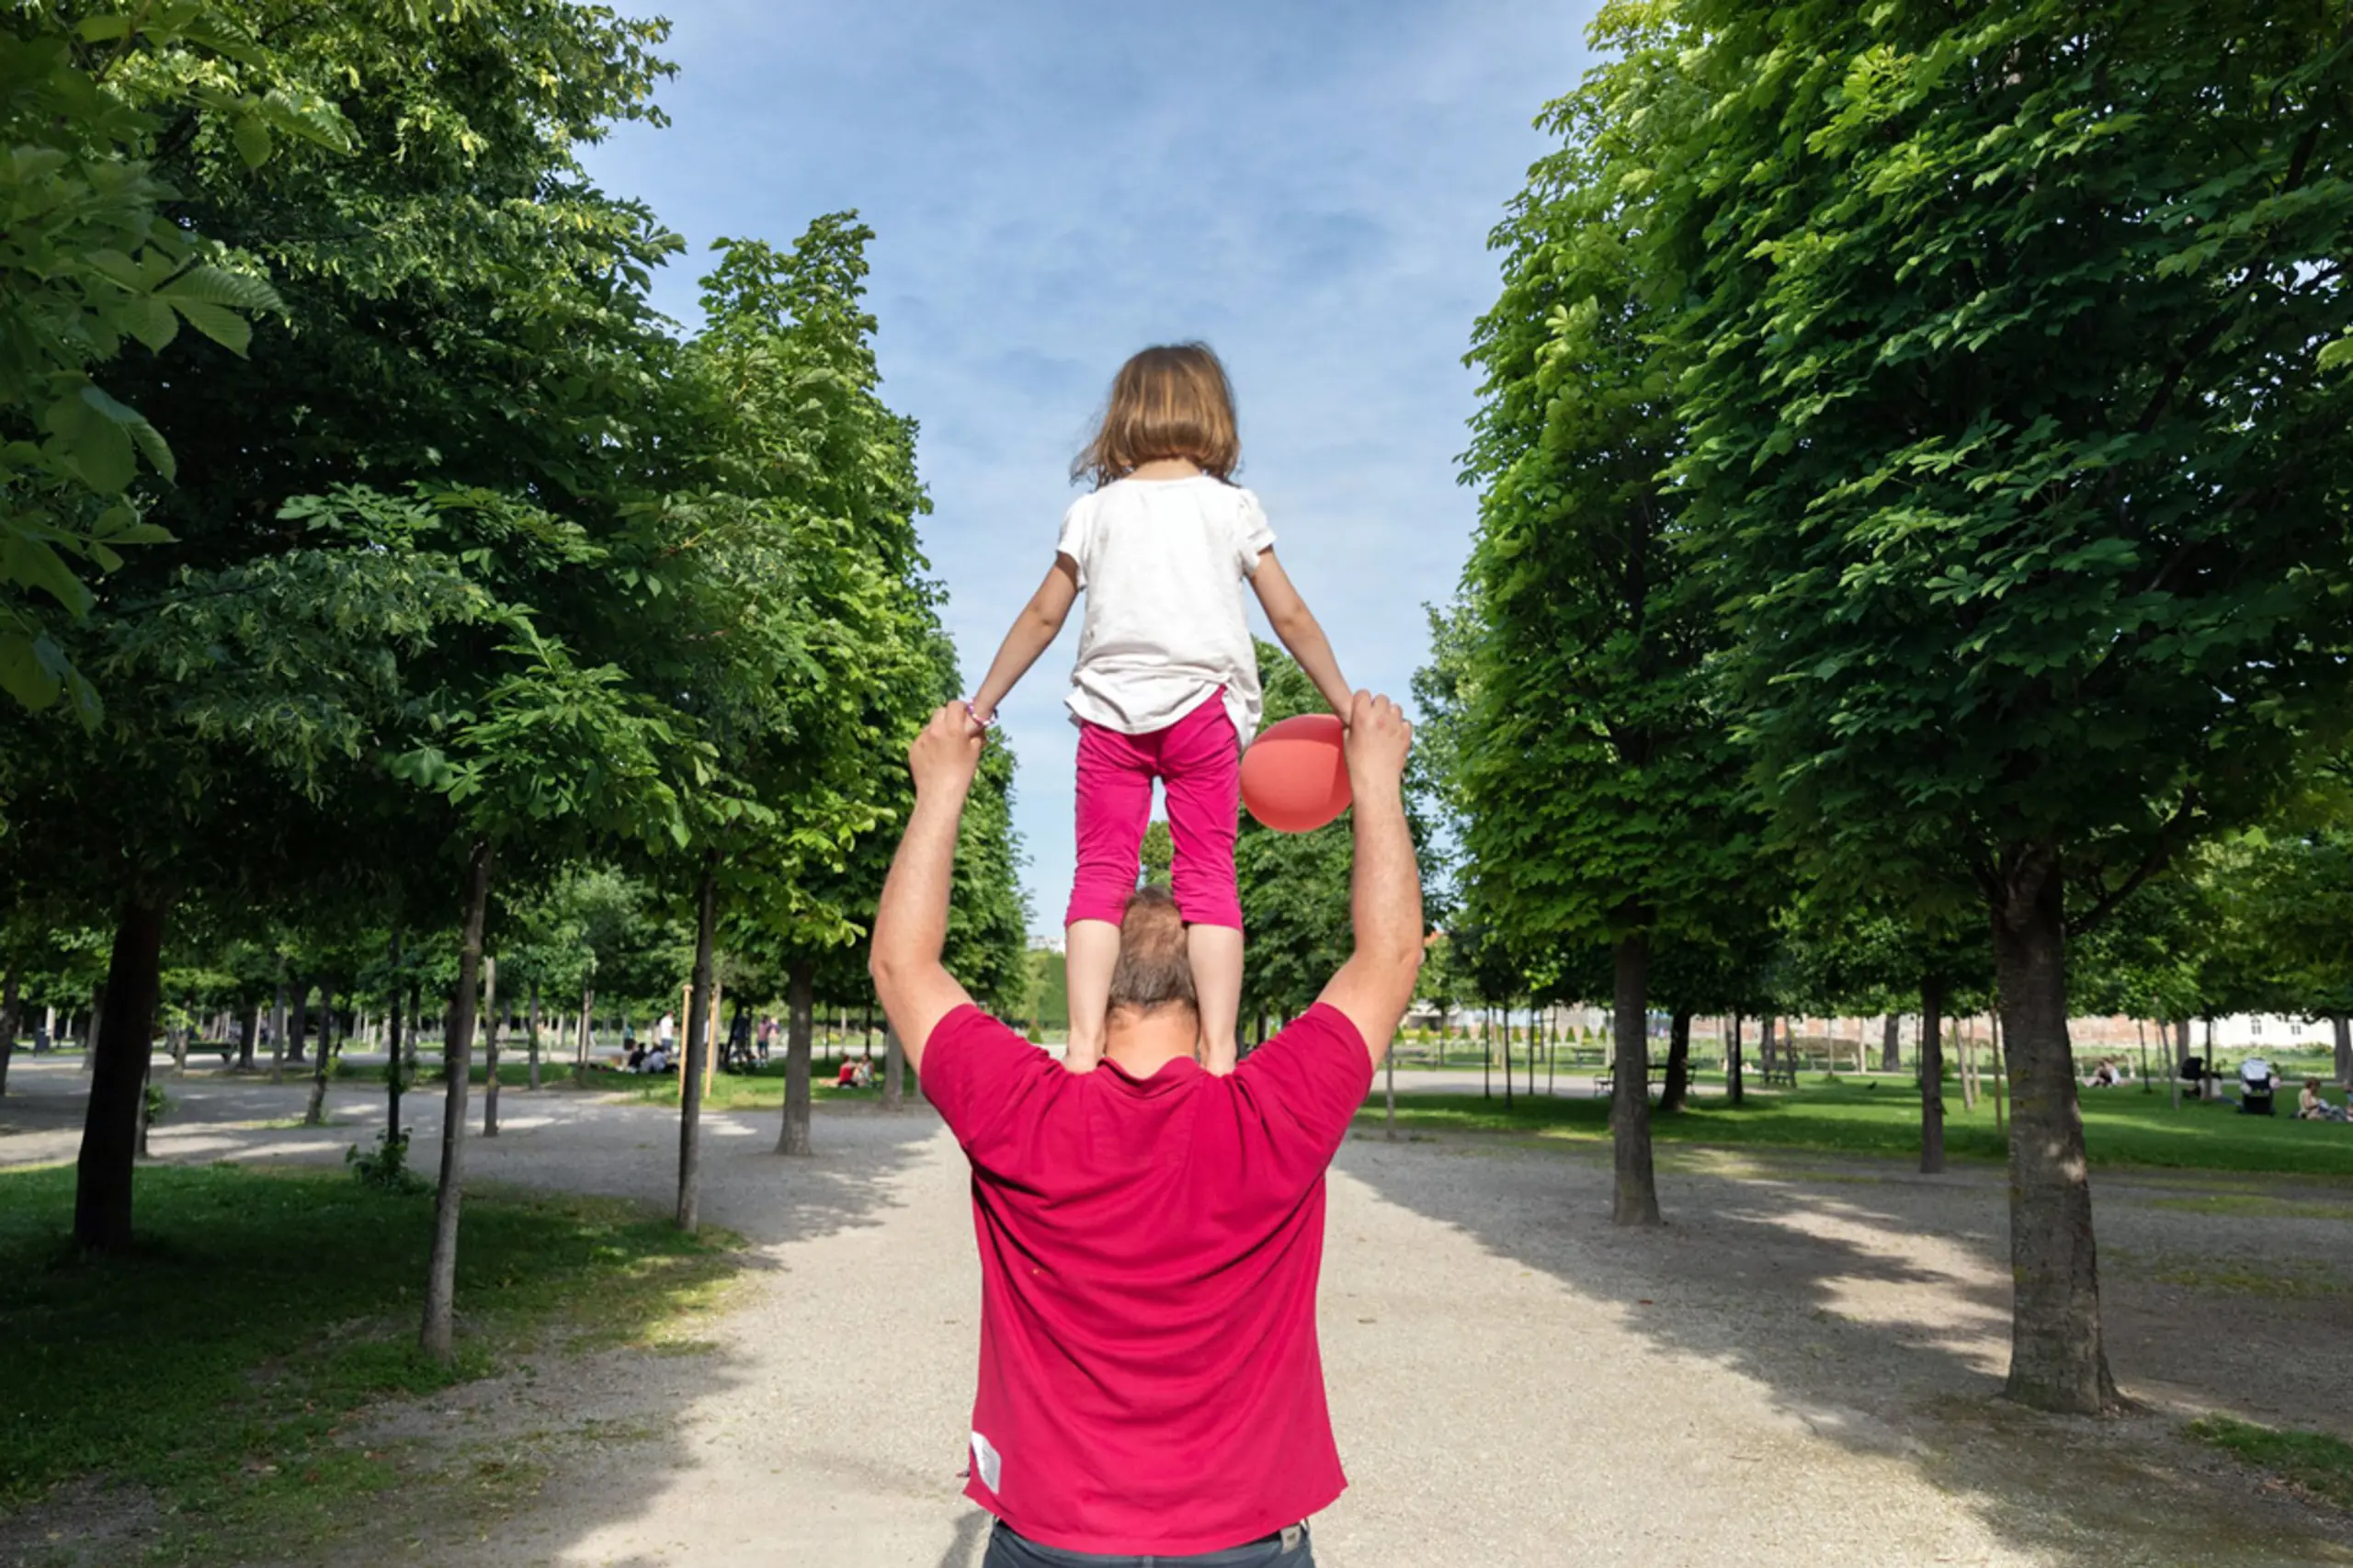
<point>1295,775</point>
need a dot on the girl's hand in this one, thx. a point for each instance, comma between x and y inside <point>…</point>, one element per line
<point>985,720</point>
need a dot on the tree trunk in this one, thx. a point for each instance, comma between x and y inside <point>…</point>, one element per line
<point>895,1065</point>
<point>249,1036</point>
<point>456,1050</point>
<point>1967,1074</point>
<point>2057,1359</point>
<point>11,1012</point>
<point>415,1024</point>
<point>490,1047</point>
<point>1486,1051</point>
<point>299,1039</point>
<point>117,1079</point>
<point>1994,1036</point>
<point>2180,1056</point>
<point>1735,1091</point>
<point>1768,1050</point>
<point>2344,1051</point>
<point>315,1113</point>
<point>1507,1055</point>
<point>1891,1039</point>
<point>395,1072</point>
<point>1932,1075</point>
<point>298,1032</point>
<point>580,1037</point>
<point>535,1034</point>
<point>698,1050</point>
<point>1676,1086</point>
<point>1634,1198</point>
<point>800,993</point>
<point>146,1076</point>
<point>277,1029</point>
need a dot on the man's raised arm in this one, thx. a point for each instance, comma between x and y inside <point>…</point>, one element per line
<point>911,923</point>
<point>1376,985</point>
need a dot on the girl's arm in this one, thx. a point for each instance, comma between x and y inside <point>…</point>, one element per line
<point>1296,625</point>
<point>1034,629</point>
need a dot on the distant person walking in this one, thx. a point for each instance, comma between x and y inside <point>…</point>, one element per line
<point>1167,684</point>
<point>1151,1234</point>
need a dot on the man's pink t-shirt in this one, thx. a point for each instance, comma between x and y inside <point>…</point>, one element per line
<point>1150,1379</point>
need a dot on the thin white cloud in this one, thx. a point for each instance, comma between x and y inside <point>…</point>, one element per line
<point>1055,185</point>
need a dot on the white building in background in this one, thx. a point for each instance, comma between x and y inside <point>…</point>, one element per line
<point>2265,1031</point>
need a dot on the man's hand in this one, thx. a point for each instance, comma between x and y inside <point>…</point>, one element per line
<point>1375,985</point>
<point>948,752</point>
<point>1377,740</point>
<point>911,922</point>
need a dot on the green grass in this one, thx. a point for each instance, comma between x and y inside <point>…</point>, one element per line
<point>212,1365</point>
<point>738,1091</point>
<point>2121,1126</point>
<point>2313,1463</point>
<point>728,1090</point>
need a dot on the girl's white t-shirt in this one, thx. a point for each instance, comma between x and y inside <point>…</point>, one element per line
<point>1161,563</point>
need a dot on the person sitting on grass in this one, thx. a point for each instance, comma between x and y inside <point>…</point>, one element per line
<point>2310,1107</point>
<point>1150,1233</point>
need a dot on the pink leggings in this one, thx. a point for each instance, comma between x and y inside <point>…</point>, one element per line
<point>1198,761</point>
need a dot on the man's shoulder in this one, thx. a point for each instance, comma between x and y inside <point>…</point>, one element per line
<point>1321,1033</point>
<point>969,1024</point>
<point>969,1052</point>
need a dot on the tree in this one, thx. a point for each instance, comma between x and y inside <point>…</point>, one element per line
<point>822,474</point>
<point>2295,875</point>
<point>94,261</point>
<point>2018,463</point>
<point>1604,801</point>
<point>464,311</point>
<point>568,758</point>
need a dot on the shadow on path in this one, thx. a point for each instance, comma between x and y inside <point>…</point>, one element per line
<point>1873,1305</point>
<point>564,1446</point>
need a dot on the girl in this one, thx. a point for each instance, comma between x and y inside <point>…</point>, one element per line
<point>1166,685</point>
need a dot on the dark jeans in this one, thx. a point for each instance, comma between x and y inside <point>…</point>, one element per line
<point>1007,1550</point>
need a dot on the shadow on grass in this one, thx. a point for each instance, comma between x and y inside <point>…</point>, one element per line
<point>245,1388</point>
<point>1873,1305</point>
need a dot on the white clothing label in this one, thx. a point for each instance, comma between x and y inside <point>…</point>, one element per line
<point>1162,563</point>
<point>985,1464</point>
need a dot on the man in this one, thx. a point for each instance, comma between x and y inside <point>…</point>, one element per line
<point>1151,1234</point>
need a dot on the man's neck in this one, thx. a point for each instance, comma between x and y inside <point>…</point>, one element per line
<point>1143,1043</point>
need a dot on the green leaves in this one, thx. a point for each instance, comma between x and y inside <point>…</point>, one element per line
<point>2018,467</point>
<point>1601,792</point>
<point>94,267</point>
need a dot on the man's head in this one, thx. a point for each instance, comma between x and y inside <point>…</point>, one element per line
<point>1154,971</point>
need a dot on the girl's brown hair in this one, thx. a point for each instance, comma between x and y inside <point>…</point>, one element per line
<point>1171,401</point>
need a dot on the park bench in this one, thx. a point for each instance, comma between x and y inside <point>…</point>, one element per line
<point>1606,1081</point>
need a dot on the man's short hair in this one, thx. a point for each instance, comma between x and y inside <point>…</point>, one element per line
<point>1154,970</point>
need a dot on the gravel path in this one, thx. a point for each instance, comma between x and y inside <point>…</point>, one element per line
<point>1795,1371</point>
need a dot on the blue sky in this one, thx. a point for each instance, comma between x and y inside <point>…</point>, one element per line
<point>1053,185</point>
